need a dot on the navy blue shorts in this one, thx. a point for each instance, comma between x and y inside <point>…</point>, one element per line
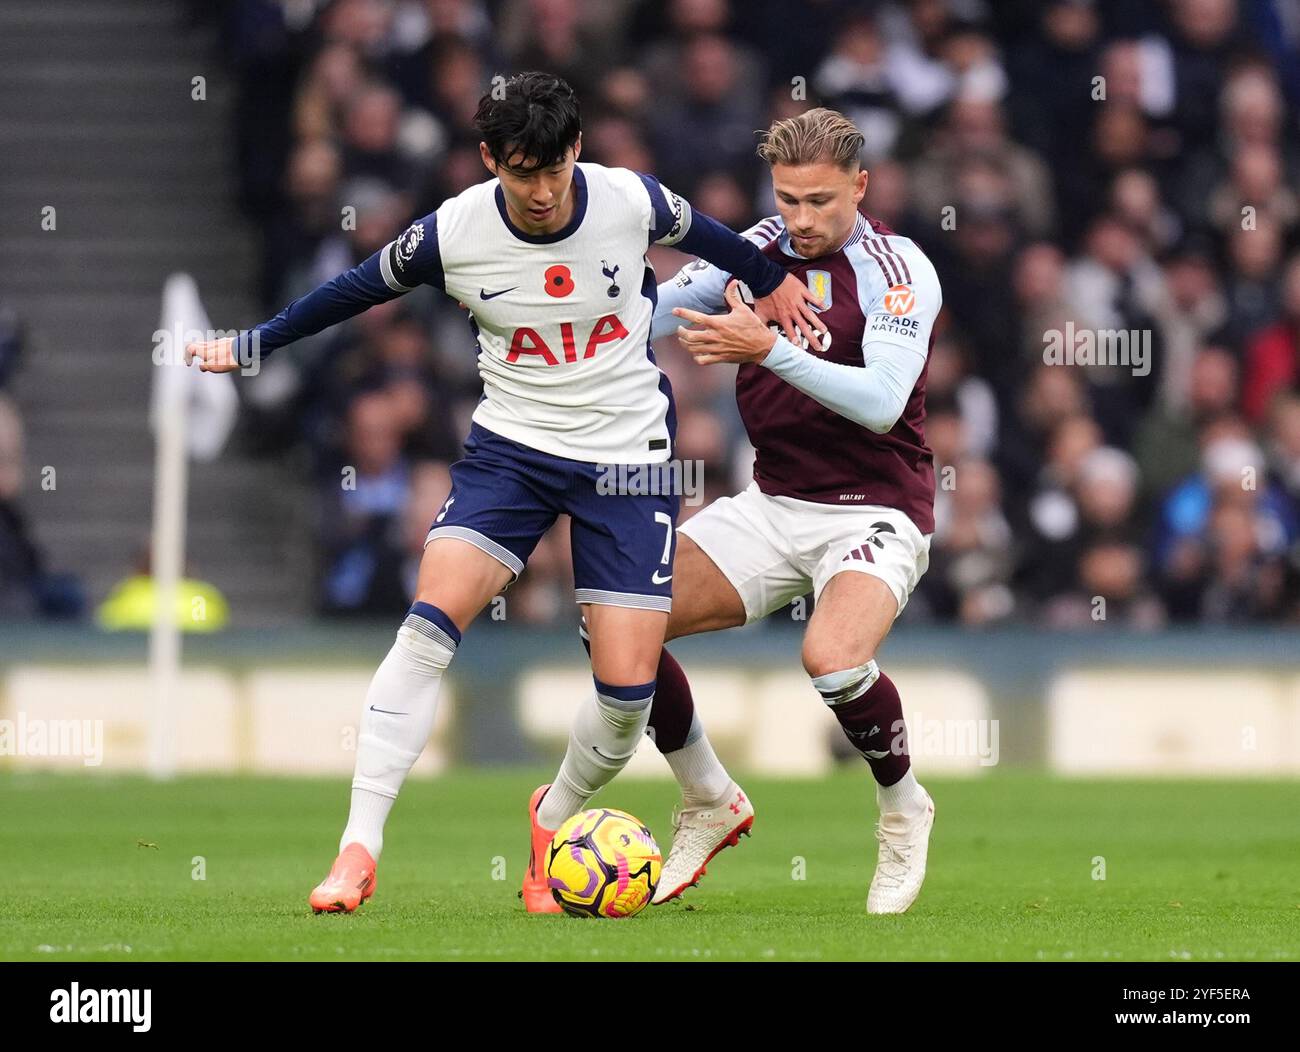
<point>505,495</point>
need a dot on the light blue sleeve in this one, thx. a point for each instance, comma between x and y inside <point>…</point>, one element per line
<point>698,286</point>
<point>873,396</point>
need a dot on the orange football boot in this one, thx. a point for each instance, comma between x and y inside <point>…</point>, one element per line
<point>537,891</point>
<point>350,883</point>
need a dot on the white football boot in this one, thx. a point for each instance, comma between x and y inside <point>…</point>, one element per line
<point>699,833</point>
<point>900,864</point>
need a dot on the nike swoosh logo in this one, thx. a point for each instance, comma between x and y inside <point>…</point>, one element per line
<point>389,711</point>
<point>656,579</point>
<point>611,759</point>
<point>483,294</point>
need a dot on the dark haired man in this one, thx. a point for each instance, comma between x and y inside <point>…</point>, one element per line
<point>549,258</point>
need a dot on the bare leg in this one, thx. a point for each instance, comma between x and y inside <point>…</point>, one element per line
<point>854,614</point>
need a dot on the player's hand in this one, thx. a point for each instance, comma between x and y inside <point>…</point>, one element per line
<point>740,336</point>
<point>213,356</point>
<point>789,305</point>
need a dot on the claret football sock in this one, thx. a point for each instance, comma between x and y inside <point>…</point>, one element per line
<point>673,722</point>
<point>677,732</point>
<point>605,733</point>
<point>397,720</point>
<point>866,703</point>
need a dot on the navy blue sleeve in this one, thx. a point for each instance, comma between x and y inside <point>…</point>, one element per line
<point>727,250</point>
<point>674,222</point>
<point>410,260</point>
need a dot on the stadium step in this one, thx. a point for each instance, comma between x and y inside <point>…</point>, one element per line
<point>122,266</point>
<point>33,158</point>
<point>98,121</point>
<point>125,220</point>
<point>95,41</point>
<point>128,15</point>
<point>128,133</point>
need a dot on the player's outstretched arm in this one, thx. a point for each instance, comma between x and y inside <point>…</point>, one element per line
<point>789,301</point>
<point>699,286</point>
<point>873,396</point>
<point>337,300</point>
<point>394,270</point>
<point>895,344</point>
<point>675,223</point>
<point>682,291</point>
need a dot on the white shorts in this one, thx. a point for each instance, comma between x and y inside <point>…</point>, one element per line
<point>775,549</point>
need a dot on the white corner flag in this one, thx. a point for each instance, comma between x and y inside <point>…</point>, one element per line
<point>210,404</point>
<point>189,411</point>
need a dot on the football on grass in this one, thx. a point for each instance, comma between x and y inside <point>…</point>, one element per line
<point>603,863</point>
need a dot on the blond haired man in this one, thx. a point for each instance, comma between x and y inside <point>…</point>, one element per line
<point>842,499</point>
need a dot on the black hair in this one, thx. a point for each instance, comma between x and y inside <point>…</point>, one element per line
<point>532,114</point>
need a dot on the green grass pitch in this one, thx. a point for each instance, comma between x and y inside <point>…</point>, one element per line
<point>102,868</point>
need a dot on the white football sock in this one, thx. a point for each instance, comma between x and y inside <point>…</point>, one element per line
<point>605,733</point>
<point>366,821</point>
<point>905,795</point>
<point>395,726</point>
<point>698,770</point>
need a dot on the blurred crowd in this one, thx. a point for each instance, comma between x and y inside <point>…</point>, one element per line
<point>28,587</point>
<point>1099,164</point>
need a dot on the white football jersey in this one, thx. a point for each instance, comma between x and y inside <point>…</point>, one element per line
<point>563,319</point>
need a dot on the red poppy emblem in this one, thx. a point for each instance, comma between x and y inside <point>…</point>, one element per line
<point>559,282</point>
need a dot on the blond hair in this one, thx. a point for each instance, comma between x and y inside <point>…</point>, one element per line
<point>816,135</point>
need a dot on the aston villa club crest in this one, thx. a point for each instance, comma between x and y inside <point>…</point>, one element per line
<point>819,283</point>
<point>408,243</point>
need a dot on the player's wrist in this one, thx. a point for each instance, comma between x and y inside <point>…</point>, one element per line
<point>779,353</point>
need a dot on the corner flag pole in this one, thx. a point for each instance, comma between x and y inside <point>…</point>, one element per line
<point>193,414</point>
<point>169,410</point>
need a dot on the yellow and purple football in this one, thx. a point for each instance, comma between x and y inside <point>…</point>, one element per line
<point>603,863</point>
